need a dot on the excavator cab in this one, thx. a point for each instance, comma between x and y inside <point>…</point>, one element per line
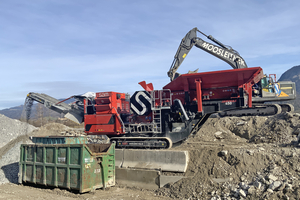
<point>269,88</point>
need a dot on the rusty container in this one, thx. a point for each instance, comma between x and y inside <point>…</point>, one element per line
<point>82,167</point>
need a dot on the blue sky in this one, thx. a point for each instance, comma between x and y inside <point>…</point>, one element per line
<point>69,47</point>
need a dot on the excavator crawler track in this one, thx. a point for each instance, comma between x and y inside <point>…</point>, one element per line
<point>255,110</point>
<point>287,107</point>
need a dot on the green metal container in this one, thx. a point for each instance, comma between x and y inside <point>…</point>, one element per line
<point>82,167</point>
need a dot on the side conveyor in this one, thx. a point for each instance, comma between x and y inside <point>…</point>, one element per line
<point>73,113</point>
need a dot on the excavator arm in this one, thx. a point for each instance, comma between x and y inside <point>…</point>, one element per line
<point>221,51</point>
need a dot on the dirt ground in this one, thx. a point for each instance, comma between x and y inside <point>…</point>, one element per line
<point>13,191</point>
<point>230,158</point>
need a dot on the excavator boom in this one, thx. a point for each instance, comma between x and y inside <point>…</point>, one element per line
<point>220,50</point>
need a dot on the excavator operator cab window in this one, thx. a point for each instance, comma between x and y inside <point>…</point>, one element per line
<point>267,84</point>
<point>264,82</point>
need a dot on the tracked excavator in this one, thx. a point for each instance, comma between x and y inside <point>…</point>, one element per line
<point>157,119</point>
<point>265,91</point>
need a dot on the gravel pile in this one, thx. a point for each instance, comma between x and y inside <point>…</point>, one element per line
<point>13,133</point>
<point>12,128</point>
<point>9,163</point>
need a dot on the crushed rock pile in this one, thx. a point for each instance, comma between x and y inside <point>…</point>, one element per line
<point>276,178</point>
<point>51,129</point>
<point>12,128</point>
<point>56,129</point>
<point>13,133</point>
<point>9,160</point>
<point>242,158</point>
<point>281,129</point>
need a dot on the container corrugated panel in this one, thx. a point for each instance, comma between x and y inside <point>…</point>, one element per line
<point>82,167</point>
<point>60,140</point>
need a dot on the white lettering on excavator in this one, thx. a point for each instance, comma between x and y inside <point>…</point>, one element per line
<point>223,53</point>
<point>204,45</point>
<point>226,54</point>
<point>215,49</point>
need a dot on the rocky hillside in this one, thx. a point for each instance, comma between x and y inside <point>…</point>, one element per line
<point>16,112</point>
<point>292,74</point>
